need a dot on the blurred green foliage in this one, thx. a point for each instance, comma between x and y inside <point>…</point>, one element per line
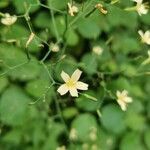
<point>33,116</point>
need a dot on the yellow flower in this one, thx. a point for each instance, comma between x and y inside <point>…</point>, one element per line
<point>8,20</point>
<point>141,8</point>
<point>72,9</point>
<point>145,37</point>
<point>123,99</point>
<point>72,84</point>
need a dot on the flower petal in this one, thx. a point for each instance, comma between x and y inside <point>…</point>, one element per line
<point>73,92</point>
<point>128,99</point>
<point>123,105</point>
<point>141,33</point>
<point>138,1</point>
<point>124,93</point>
<point>63,89</point>
<point>81,86</point>
<point>65,76</point>
<point>76,75</point>
<point>118,93</point>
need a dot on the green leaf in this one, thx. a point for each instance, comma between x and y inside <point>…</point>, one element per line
<point>57,4</point>
<point>16,32</point>
<point>72,38</point>
<point>87,102</point>
<point>132,141</point>
<point>37,87</point>
<point>70,112</point>
<point>58,27</point>
<point>113,119</point>
<point>89,63</point>
<point>42,20</point>
<point>16,62</point>
<point>3,83</point>
<point>147,137</point>
<point>135,121</point>
<point>23,5</point>
<point>13,106</point>
<point>83,124</point>
<point>88,28</point>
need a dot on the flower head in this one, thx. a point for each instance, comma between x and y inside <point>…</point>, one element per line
<point>123,99</point>
<point>141,8</point>
<point>72,84</point>
<point>8,20</point>
<point>54,47</point>
<point>145,37</point>
<point>97,50</point>
<point>72,9</point>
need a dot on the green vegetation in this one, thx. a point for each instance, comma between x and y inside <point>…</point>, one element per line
<point>105,40</point>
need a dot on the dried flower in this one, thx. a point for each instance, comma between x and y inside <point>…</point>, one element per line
<point>72,9</point>
<point>8,20</point>
<point>54,47</point>
<point>101,8</point>
<point>30,39</point>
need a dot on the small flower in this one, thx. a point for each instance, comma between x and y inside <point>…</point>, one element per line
<point>141,8</point>
<point>97,50</point>
<point>8,20</point>
<point>72,84</point>
<point>72,9</point>
<point>123,99</point>
<point>145,37</point>
<point>93,134</point>
<point>61,148</point>
<point>54,47</point>
<point>73,134</point>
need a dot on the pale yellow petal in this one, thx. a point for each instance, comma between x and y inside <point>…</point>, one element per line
<point>81,86</point>
<point>124,93</point>
<point>141,33</point>
<point>122,105</point>
<point>73,92</point>
<point>76,75</point>
<point>128,99</point>
<point>118,93</point>
<point>63,89</point>
<point>65,76</point>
